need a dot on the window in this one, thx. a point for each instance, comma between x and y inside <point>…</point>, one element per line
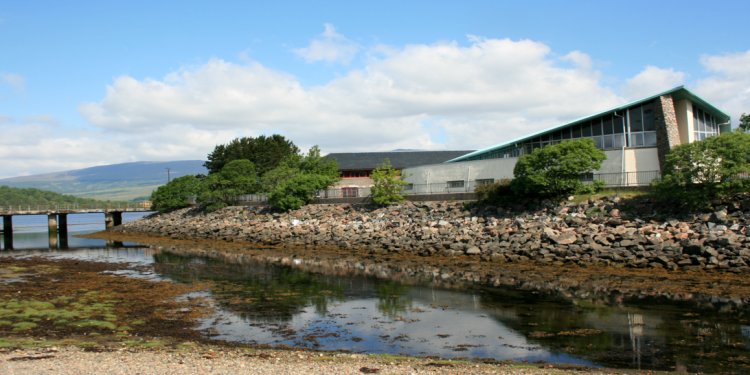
<point>596,127</point>
<point>607,124</point>
<point>642,126</point>
<point>576,131</point>
<point>455,184</point>
<point>349,192</point>
<point>648,117</point>
<point>484,181</point>
<point>409,187</point>
<point>586,130</point>
<point>704,125</point>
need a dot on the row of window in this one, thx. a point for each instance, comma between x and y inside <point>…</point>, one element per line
<point>459,183</point>
<point>635,127</point>
<point>704,125</point>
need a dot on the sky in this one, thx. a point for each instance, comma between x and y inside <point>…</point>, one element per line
<point>85,83</point>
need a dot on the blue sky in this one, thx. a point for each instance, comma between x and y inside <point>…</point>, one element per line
<point>86,83</point>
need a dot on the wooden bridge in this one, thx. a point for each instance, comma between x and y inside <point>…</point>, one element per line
<point>57,217</point>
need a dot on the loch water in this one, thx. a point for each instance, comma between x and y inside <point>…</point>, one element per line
<point>258,303</point>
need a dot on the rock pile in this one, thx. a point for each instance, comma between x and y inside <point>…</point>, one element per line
<point>589,233</point>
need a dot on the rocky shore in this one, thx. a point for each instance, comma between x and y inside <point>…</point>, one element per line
<point>590,233</point>
<point>595,251</point>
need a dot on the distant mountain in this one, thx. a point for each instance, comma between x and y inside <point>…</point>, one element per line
<point>122,182</point>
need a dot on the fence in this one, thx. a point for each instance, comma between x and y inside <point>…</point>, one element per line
<point>98,206</point>
<point>459,187</point>
<point>624,179</point>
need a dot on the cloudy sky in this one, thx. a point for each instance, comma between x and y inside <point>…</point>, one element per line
<point>86,83</point>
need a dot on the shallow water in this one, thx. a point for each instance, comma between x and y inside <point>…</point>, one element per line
<point>263,304</point>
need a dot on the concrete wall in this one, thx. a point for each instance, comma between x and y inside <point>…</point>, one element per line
<point>462,171</point>
<point>684,110</point>
<point>635,160</point>
<point>354,182</point>
<point>641,159</point>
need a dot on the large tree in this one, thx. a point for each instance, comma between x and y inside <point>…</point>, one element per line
<point>264,152</point>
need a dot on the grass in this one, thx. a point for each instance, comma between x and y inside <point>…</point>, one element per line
<point>612,192</point>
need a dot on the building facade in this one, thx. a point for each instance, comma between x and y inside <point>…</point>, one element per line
<point>635,137</point>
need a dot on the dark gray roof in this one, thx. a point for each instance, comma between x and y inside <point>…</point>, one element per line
<point>399,159</point>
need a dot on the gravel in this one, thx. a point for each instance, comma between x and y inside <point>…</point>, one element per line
<point>217,360</point>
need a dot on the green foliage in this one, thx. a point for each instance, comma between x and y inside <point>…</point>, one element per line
<point>34,197</point>
<point>177,193</point>
<point>744,123</point>
<point>699,172</point>
<point>238,177</point>
<point>265,152</point>
<point>295,181</point>
<point>555,171</point>
<point>496,193</point>
<point>387,185</point>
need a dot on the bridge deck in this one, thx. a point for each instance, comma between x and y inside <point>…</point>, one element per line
<point>50,210</point>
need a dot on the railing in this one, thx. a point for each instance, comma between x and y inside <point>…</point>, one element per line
<point>103,206</point>
<point>251,198</point>
<point>624,179</point>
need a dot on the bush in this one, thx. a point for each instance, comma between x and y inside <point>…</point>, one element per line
<point>177,193</point>
<point>387,185</point>
<point>295,181</point>
<point>237,178</point>
<point>497,193</point>
<point>697,173</point>
<point>555,171</point>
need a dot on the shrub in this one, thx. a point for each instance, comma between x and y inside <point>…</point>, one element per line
<point>177,193</point>
<point>237,178</point>
<point>387,185</point>
<point>497,193</point>
<point>295,181</point>
<point>697,173</point>
<point>555,171</point>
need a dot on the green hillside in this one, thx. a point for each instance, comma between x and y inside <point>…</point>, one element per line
<point>121,182</point>
<point>34,197</point>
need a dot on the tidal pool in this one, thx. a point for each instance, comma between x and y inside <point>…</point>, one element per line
<point>258,303</point>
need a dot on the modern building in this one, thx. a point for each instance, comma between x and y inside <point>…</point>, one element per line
<point>356,167</point>
<point>635,137</point>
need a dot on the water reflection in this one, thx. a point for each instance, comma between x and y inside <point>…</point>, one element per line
<point>263,304</point>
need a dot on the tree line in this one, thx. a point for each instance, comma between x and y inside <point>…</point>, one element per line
<point>273,166</point>
<point>10,196</point>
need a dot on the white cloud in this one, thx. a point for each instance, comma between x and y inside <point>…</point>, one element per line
<point>729,86</point>
<point>329,46</point>
<point>471,96</point>
<point>652,80</point>
<point>16,81</point>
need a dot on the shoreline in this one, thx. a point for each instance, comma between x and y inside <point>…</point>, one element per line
<point>713,290</point>
<point>216,359</point>
<point>605,251</point>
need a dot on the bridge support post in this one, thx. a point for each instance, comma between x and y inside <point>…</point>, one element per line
<point>112,219</point>
<point>52,240</point>
<point>52,223</point>
<point>62,220</point>
<point>8,231</point>
<point>52,232</point>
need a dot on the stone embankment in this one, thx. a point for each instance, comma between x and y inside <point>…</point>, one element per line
<point>583,234</point>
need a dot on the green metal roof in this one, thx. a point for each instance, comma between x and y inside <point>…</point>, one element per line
<point>678,93</point>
